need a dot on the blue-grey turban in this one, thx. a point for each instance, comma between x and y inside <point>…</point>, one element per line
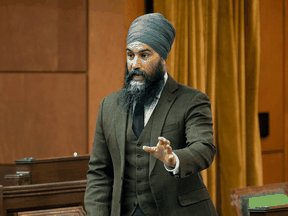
<point>153,30</point>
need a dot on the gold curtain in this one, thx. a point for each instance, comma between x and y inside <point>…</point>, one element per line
<point>217,51</point>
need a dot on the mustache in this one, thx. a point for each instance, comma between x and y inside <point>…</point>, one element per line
<point>138,72</point>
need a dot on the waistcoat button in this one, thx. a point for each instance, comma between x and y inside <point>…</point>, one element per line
<point>138,156</point>
<point>138,168</point>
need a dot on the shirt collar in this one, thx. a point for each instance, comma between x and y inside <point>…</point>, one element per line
<point>165,80</point>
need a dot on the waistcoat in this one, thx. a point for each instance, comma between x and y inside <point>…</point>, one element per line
<point>136,187</point>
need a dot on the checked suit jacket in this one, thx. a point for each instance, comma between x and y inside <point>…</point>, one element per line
<point>183,116</point>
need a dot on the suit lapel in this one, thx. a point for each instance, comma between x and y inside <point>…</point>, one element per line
<point>165,102</point>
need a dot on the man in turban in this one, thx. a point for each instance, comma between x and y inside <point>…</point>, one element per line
<point>153,137</point>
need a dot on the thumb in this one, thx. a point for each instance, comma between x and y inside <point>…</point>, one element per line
<point>149,149</point>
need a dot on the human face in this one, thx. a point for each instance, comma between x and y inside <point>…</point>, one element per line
<point>142,57</point>
<point>133,92</point>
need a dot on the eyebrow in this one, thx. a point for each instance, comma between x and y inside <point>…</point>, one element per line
<point>144,50</point>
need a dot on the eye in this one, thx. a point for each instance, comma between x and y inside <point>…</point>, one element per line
<point>130,55</point>
<point>144,55</point>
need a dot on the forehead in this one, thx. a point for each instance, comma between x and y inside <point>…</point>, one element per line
<point>138,46</point>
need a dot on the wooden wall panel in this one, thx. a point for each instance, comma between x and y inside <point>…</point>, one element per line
<point>39,35</point>
<point>42,115</point>
<point>271,71</point>
<point>72,35</point>
<point>273,168</point>
<point>108,26</point>
<point>132,11</point>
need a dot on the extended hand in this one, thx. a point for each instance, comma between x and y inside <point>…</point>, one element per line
<point>162,151</point>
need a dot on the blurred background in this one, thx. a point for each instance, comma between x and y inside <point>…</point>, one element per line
<point>60,58</point>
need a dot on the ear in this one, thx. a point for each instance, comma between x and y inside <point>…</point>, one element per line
<point>165,67</point>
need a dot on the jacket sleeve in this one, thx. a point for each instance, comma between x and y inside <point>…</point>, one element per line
<point>199,151</point>
<point>98,194</point>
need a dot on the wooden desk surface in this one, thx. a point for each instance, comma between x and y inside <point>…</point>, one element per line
<point>238,193</point>
<point>281,210</point>
<point>50,160</point>
<point>6,169</point>
<point>46,170</point>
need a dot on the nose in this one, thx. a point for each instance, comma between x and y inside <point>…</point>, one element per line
<point>136,62</point>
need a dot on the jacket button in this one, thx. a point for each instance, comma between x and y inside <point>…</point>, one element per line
<point>139,193</point>
<point>138,168</point>
<point>138,181</point>
<point>138,144</point>
<point>138,156</point>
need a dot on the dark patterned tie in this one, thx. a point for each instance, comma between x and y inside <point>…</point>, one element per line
<point>138,119</point>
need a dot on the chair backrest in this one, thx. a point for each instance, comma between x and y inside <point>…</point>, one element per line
<point>240,197</point>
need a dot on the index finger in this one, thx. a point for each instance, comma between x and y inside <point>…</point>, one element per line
<point>166,142</point>
<point>161,140</point>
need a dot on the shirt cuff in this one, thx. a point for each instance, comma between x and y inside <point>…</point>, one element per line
<point>175,170</point>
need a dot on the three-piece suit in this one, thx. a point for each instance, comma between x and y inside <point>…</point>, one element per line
<point>121,175</point>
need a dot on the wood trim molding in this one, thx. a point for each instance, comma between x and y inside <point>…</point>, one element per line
<point>285,53</point>
<point>44,189</point>
<point>43,196</point>
<point>1,200</point>
<point>75,211</point>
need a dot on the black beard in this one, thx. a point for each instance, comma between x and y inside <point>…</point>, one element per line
<point>145,93</point>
